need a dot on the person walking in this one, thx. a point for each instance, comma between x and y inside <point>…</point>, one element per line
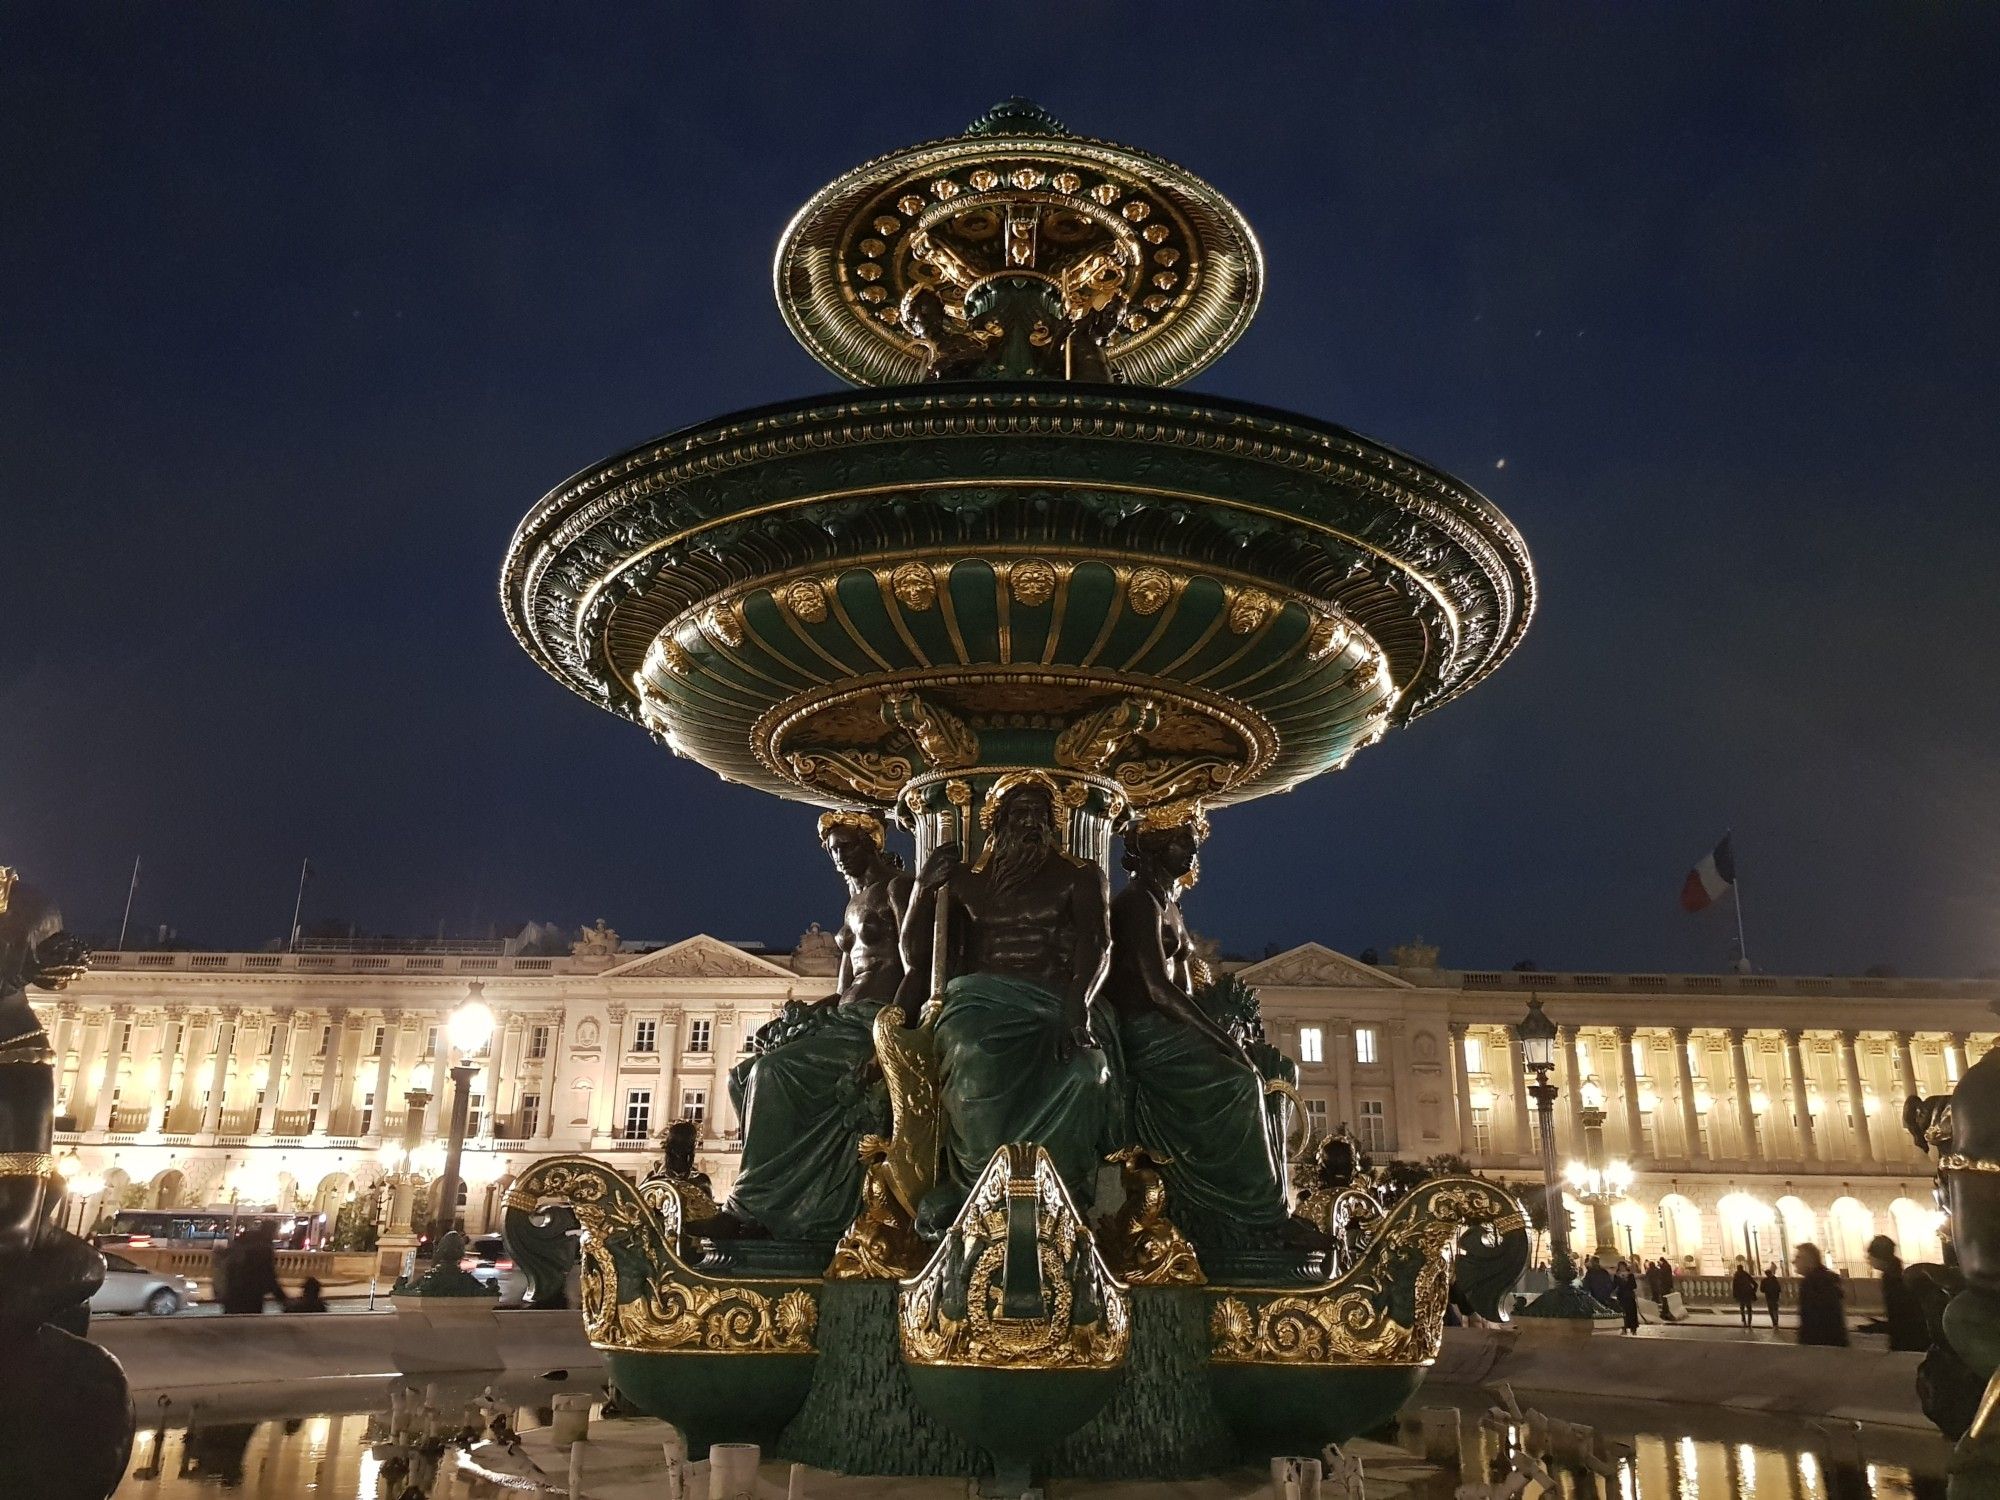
<point>1744,1286</point>
<point>1599,1283</point>
<point>1822,1315</point>
<point>1625,1294</point>
<point>250,1269</point>
<point>309,1298</point>
<point>1900,1309</point>
<point>1773,1289</point>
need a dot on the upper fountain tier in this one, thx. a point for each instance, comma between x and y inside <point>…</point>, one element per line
<point>1023,552</point>
<point>1158,268</point>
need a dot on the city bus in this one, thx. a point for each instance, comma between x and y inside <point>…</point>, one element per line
<point>205,1228</point>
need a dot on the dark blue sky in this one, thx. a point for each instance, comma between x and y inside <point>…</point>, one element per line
<point>301,314</point>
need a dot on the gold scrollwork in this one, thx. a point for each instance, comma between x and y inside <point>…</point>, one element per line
<point>1958,1161</point>
<point>908,1057</point>
<point>861,773</point>
<point>881,1244</point>
<point>955,1312</point>
<point>1352,1319</point>
<point>1098,738</point>
<point>724,622</point>
<point>941,737</point>
<point>1329,634</point>
<point>639,1296</point>
<point>1176,778</point>
<point>1143,1245</point>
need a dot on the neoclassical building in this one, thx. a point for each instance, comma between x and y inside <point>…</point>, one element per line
<point>1756,1111</point>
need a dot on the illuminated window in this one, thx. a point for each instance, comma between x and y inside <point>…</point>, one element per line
<point>1475,1055</point>
<point>698,1036</point>
<point>1951,1065</point>
<point>643,1035</point>
<point>694,1104</point>
<point>538,1042</point>
<point>380,1033</point>
<point>1316,1116</point>
<point>638,1113</point>
<point>1374,1126</point>
<point>1364,1044</point>
<point>1312,1044</point>
<point>1482,1132</point>
<point>531,1115</point>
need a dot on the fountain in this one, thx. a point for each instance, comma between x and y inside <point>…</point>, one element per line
<point>1016,1200</point>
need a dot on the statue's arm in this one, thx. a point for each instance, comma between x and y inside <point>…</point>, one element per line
<point>919,926</point>
<point>1135,929</point>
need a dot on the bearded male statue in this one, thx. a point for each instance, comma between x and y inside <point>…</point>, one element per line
<point>806,1095</point>
<point>1196,1096</point>
<point>1028,937</point>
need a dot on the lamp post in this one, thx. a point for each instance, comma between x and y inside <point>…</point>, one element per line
<point>1564,1299</point>
<point>1593,1180</point>
<point>470,1028</point>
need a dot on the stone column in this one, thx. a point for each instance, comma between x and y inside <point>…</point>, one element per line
<point>1801,1101</point>
<point>274,1085</point>
<point>1912,1086</point>
<point>1524,1135</point>
<point>1408,1131</point>
<point>385,1074</point>
<point>218,1078</point>
<point>1746,1114</point>
<point>1628,1074</point>
<point>1572,1114</point>
<point>336,1078</point>
<point>107,1077</point>
<point>89,1039</point>
<point>720,1116</point>
<point>545,1128</point>
<point>666,1102</point>
<point>1461,1088</point>
<point>188,1095</point>
<point>1684,1072</point>
<point>1857,1097</point>
<point>1954,1048</point>
<point>610,1101</point>
<point>173,1033</point>
<point>502,1099</point>
<point>1341,1034</point>
<point>439,1057</point>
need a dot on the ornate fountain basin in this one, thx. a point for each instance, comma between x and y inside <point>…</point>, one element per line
<point>757,590</point>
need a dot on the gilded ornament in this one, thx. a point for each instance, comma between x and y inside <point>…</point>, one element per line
<point>1066,182</point>
<point>673,1306</point>
<point>910,204</point>
<point>858,819</point>
<point>1105,193</point>
<point>1250,609</point>
<point>915,586</point>
<point>984,179</point>
<point>1330,634</point>
<point>27,1164</point>
<point>1027,179</point>
<point>1185,813</point>
<point>958,793</point>
<point>862,773</point>
<point>1092,742</point>
<point>1955,1161</point>
<point>32,1047</point>
<point>952,1314</point>
<point>1136,210</point>
<point>940,735</point>
<point>1061,793</point>
<point>806,600</point>
<point>1353,1319</point>
<point>908,1058</point>
<point>723,623</point>
<point>882,1243</point>
<point>1174,778</point>
<point>1156,233</point>
<point>1149,590</point>
<point>1032,583</point>
<point>1142,1244</point>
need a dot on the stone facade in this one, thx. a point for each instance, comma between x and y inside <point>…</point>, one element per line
<point>1756,1111</point>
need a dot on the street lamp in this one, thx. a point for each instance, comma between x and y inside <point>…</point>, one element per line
<point>1537,1036</point>
<point>470,1028</point>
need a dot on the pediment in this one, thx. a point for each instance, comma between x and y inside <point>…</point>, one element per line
<point>1312,965</point>
<point>698,957</point>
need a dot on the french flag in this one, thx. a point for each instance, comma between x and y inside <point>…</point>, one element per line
<point>1707,881</point>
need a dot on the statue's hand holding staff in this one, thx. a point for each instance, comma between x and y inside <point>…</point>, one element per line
<point>946,861</point>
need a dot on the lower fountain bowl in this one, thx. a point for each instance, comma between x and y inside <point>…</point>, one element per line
<point>1016,1416</point>
<point>1278,1410</point>
<point>715,1398</point>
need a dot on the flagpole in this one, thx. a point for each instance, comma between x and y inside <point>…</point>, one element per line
<point>1742,952</point>
<point>292,942</point>
<point>130,891</point>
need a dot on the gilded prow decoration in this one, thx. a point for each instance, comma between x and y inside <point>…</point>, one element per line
<point>1018,1283</point>
<point>1388,1308</point>
<point>1142,1243</point>
<point>882,1243</point>
<point>639,1296</point>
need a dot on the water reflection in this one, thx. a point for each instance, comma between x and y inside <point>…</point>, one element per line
<point>1716,1456</point>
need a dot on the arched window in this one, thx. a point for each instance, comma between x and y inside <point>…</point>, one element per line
<point>1680,1229</point>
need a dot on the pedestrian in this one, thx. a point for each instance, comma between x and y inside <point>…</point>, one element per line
<point>1822,1319</point>
<point>1744,1285</point>
<point>1598,1282</point>
<point>1625,1292</point>
<point>1900,1311</point>
<point>1773,1289</point>
<point>309,1298</point>
<point>250,1272</point>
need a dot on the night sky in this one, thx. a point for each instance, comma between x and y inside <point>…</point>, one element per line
<point>301,314</point>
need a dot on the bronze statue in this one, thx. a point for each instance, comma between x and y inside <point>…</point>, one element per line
<point>952,353</point>
<point>808,1093</point>
<point>1196,1094</point>
<point>1029,939</point>
<point>65,1415</point>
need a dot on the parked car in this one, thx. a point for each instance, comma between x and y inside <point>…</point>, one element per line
<point>131,1288</point>
<point>487,1259</point>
